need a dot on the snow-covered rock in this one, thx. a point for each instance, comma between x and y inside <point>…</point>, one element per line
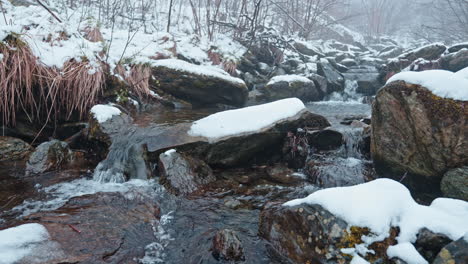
<point>103,113</point>
<point>21,241</point>
<point>444,84</point>
<point>342,221</point>
<point>418,128</point>
<point>199,85</point>
<point>238,137</point>
<point>287,86</point>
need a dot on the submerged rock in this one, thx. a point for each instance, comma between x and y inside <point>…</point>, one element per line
<point>101,228</point>
<point>227,246</point>
<point>455,183</point>
<point>183,174</point>
<point>49,156</point>
<point>199,85</point>
<point>454,253</point>
<point>13,149</point>
<point>417,133</point>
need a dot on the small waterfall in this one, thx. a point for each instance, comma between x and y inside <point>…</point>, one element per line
<point>349,94</point>
<point>352,140</point>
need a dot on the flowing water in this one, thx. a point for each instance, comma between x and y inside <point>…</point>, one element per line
<point>188,224</point>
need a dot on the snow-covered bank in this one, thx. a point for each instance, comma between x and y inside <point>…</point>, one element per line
<point>245,120</point>
<point>384,203</point>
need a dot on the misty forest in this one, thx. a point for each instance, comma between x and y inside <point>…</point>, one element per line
<point>234,131</point>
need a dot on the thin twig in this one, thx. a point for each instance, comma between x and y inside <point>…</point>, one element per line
<point>48,10</point>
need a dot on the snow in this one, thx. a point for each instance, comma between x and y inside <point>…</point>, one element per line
<point>384,203</point>
<point>170,152</point>
<point>246,120</point>
<point>358,260</point>
<point>462,73</point>
<point>210,71</point>
<point>441,83</point>
<point>407,253</point>
<point>104,113</point>
<point>289,78</point>
<point>20,241</point>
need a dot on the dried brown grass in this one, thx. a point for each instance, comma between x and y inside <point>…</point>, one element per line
<point>93,34</point>
<point>137,77</point>
<point>42,92</point>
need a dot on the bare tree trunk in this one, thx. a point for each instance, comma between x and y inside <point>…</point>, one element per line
<point>169,16</point>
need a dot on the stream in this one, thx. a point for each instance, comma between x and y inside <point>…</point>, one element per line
<point>188,224</point>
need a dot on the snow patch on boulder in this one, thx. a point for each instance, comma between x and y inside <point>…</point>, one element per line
<point>245,120</point>
<point>183,66</point>
<point>289,79</point>
<point>442,83</point>
<point>103,113</point>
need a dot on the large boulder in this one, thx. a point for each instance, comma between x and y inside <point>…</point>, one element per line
<point>454,253</point>
<point>183,174</point>
<point>48,156</point>
<point>417,136</point>
<point>199,85</point>
<point>430,52</point>
<point>455,183</point>
<point>13,149</point>
<point>287,86</point>
<point>311,234</point>
<point>455,61</point>
<point>239,137</point>
<point>101,228</point>
<point>308,50</point>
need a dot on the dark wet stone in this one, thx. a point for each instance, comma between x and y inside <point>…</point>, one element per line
<point>281,174</point>
<point>48,156</point>
<point>429,243</point>
<point>227,246</point>
<point>105,131</point>
<point>326,139</point>
<point>335,80</point>
<point>454,184</point>
<point>13,149</point>
<point>306,91</point>
<point>455,61</point>
<point>457,47</point>
<point>197,89</point>
<point>454,253</point>
<point>101,228</point>
<point>183,174</point>
<point>302,233</point>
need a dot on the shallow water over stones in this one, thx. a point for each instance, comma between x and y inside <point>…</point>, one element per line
<point>186,225</point>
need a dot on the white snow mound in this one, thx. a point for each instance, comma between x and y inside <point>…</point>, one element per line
<point>245,120</point>
<point>20,241</point>
<point>289,79</point>
<point>104,112</point>
<point>442,83</point>
<point>210,71</point>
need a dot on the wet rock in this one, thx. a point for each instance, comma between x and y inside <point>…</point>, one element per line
<point>335,80</point>
<point>454,253</point>
<point>455,61</point>
<point>457,47</point>
<point>296,149</point>
<point>286,86</point>
<point>281,174</point>
<point>302,234</point>
<point>311,234</point>
<point>320,82</point>
<point>13,149</point>
<point>183,174</point>
<point>309,51</point>
<point>49,156</point>
<point>367,79</point>
<point>419,134</point>
<point>326,139</point>
<point>237,150</point>
<point>190,83</point>
<point>429,244</point>
<point>455,183</point>
<point>101,228</point>
<point>103,132</point>
<point>227,246</point>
